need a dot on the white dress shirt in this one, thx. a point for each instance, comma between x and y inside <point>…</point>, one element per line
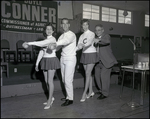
<point>68,41</point>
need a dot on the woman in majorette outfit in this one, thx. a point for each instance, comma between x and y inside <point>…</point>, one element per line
<point>88,57</point>
<point>49,62</point>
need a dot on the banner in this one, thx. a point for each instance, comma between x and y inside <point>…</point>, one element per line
<point>28,16</point>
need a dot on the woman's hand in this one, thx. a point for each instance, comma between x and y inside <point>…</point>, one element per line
<point>36,68</point>
<point>52,46</point>
<point>80,46</point>
<point>96,40</point>
<point>25,45</point>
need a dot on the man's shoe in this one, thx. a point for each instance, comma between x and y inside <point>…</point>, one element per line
<point>98,93</point>
<point>63,99</point>
<point>101,97</point>
<point>68,102</point>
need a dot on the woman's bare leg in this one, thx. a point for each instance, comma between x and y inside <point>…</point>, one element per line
<point>88,69</point>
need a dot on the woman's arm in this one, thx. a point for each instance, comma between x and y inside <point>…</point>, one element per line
<point>80,44</point>
<point>43,43</point>
<point>40,55</point>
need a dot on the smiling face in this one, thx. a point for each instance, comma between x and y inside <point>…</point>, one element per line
<point>49,30</point>
<point>99,30</point>
<point>85,26</point>
<point>65,25</point>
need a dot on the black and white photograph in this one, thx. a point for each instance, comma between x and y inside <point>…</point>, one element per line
<point>74,59</point>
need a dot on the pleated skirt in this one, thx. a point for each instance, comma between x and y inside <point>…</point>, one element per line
<point>50,63</point>
<point>89,58</point>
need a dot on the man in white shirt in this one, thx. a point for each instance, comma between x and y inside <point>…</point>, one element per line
<point>68,59</point>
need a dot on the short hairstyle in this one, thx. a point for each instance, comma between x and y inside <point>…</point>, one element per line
<point>85,20</point>
<point>65,19</point>
<point>99,25</point>
<point>48,24</point>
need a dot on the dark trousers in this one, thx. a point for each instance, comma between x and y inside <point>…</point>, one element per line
<point>102,76</point>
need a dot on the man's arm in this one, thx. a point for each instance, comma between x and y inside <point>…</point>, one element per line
<point>105,41</point>
<point>66,40</point>
<point>58,48</point>
<point>63,40</point>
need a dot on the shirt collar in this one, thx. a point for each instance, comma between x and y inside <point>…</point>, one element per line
<point>49,36</point>
<point>67,32</point>
<point>87,31</point>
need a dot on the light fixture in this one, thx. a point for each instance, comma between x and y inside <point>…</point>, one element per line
<point>125,13</point>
